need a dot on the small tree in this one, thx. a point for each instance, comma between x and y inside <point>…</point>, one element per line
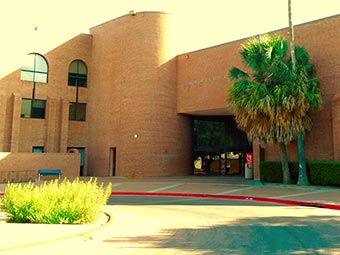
<point>271,104</point>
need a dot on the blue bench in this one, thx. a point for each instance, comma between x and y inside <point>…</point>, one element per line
<point>43,172</point>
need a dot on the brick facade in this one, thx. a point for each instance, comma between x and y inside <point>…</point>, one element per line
<point>133,100</point>
<point>20,166</point>
<point>140,97</point>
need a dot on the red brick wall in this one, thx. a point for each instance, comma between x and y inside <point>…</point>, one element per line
<point>203,79</point>
<point>24,166</point>
<point>53,132</point>
<point>336,125</point>
<point>134,92</point>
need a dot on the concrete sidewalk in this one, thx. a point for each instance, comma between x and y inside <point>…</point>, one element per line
<point>35,239</point>
<point>226,185</point>
<point>219,185</point>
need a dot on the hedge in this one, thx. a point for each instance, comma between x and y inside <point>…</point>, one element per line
<point>325,173</point>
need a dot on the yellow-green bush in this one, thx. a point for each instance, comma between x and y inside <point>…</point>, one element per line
<point>75,202</point>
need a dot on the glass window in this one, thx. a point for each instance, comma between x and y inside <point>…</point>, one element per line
<point>31,108</point>
<point>37,149</point>
<point>34,69</point>
<point>77,74</point>
<point>77,111</point>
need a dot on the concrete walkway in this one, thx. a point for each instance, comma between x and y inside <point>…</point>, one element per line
<point>127,223</point>
<point>229,185</point>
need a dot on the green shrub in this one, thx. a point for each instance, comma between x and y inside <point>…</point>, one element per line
<point>67,202</point>
<point>324,172</point>
<point>319,172</point>
<point>270,171</point>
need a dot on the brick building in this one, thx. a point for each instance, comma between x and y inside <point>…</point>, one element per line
<point>122,98</point>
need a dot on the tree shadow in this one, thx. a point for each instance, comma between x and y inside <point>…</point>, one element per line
<point>269,235</point>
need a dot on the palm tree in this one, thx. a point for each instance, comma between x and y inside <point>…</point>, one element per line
<point>302,176</point>
<point>271,104</point>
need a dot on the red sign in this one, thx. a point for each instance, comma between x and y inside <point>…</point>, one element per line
<point>249,159</point>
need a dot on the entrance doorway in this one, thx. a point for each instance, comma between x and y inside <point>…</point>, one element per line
<point>113,152</point>
<point>81,151</point>
<point>226,163</point>
<point>219,146</point>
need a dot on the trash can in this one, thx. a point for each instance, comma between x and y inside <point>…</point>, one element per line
<point>248,173</point>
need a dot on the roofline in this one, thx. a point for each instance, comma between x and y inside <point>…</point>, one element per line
<point>128,14</point>
<point>269,32</point>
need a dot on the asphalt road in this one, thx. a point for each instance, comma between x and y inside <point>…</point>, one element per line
<point>212,226</point>
<point>195,226</point>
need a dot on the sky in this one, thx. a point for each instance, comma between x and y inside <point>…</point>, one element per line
<point>41,25</point>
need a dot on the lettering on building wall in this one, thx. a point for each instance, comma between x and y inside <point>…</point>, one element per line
<point>214,78</point>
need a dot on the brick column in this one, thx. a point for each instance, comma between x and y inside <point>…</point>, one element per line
<point>336,126</point>
<point>51,143</point>
<point>3,130</point>
<point>15,127</point>
<point>64,114</point>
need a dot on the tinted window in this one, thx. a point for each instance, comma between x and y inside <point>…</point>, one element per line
<point>77,111</point>
<point>77,74</point>
<point>31,108</point>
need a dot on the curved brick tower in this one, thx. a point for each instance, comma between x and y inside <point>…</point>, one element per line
<point>132,107</point>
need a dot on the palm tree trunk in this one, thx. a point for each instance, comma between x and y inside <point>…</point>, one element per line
<point>302,177</point>
<point>284,163</point>
<point>291,33</point>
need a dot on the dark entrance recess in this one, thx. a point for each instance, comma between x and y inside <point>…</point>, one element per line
<point>113,152</point>
<point>219,145</point>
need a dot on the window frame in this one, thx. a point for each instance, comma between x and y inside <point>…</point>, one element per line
<point>36,71</point>
<point>77,79</point>
<point>34,112</point>
<point>77,112</point>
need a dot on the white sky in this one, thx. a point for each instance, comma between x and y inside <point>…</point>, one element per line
<point>199,23</point>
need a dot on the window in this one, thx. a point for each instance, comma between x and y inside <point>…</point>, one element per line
<point>77,74</point>
<point>77,111</point>
<point>31,108</point>
<point>37,149</point>
<point>35,68</point>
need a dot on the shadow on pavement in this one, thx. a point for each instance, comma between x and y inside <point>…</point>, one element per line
<point>268,235</point>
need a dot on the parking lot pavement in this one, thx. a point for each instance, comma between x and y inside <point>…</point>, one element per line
<point>197,215</point>
<point>172,225</point>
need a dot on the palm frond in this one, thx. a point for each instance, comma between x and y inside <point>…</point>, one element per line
<point>272,105</point>
<point>236,73</point>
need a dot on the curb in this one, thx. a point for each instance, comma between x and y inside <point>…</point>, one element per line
<point>84,234</point>
<point>231,197</point>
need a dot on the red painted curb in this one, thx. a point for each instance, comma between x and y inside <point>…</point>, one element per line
<point>230,197</point>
